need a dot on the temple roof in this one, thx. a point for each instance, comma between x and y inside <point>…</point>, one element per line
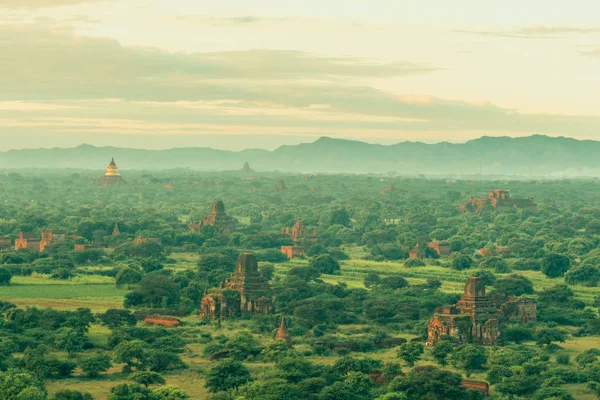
<point>282,333</point>
<point>112,169</point>
<point>218,207</point>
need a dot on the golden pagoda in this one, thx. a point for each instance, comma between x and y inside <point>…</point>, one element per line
<point>112,169</point>
<point>112,175</point>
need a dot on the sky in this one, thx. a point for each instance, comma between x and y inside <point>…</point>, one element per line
<point>235,74</point>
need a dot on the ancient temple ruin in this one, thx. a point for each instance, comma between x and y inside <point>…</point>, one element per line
<point>497,199</point>
<point>300,237</point>
<point>218,218</point>
<point>246,291</point>
<point>474,319</point>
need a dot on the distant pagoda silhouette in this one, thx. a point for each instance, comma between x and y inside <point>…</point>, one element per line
<point>112,175</point>
<point>247,169</point>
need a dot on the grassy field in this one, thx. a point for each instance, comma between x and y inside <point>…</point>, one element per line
<point>94,292</point>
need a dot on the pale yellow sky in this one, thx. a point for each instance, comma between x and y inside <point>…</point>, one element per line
<point>237,74</point>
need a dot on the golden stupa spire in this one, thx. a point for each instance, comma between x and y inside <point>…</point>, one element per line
<point>112,169</point>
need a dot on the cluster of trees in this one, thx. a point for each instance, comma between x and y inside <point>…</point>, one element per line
<point>561,240</point>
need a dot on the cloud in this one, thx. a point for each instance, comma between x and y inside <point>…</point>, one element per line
<point>535,32</point>
<point>55,81</point>
<point>591,53</point>
<point>40,3</point>
<point>43,62</point>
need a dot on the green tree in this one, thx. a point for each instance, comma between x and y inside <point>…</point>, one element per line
<point>469,358</point>
<point>339,391</point>
<point>16,385</point>
<point>410,352</point>
<point>227,375</point>
<point>70,340</point>
<point>555,265</point>
<point>547,336</point>
<point>70,394</point>
<point>115,318</point>
<point>428,382</point>
<point>5,277</point>
<point>462,262</point>
<point>514,285</point>
<point>372,279</point>
<point>325,264</point>
<point>359,383</point>
<point>132,353</point>
<point>147,378</point>
<point>130,391</point>
<point>441,351</point>
<point>517,334</point>
<point>393,282</point>
<point>242,345</point>
<point>93,365</point>
<point>127,277</point>
<point>169,392</point>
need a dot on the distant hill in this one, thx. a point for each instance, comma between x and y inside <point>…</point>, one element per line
<point>528,156</point>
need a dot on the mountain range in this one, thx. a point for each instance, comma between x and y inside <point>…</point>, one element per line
<point>533,156</point>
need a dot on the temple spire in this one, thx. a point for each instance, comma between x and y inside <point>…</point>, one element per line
<point>282,333</point>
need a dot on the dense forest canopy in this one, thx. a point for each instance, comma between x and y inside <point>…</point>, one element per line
<point>113,309</point>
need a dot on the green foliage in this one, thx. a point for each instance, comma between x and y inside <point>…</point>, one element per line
<point>555,265</point>
<point>93,365</point>
<point>429,382</point>
<point>5,277</point>
<point>410,352</point>
<point>325,264</point>
<point>16,385</point>
<point>133,353</point>
<point>393,282</point>
<point>547,336</point>
<point>514,285</point>
<point>441,352</point>
<point>130,391</point>
<point>114,318</point>
<point>372,279</point>
<point>70,340</point>
<point>583,275</point>
<point>170,392</point>
<point>154,291</point>
<point>70,394</point>
<point>227,375</point>
<point>147,378</point>
<point>127,276</point>
<point>469,358</point>
<point>461,262</point>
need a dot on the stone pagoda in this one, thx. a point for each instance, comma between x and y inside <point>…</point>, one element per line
<point>246,291</point>
<point>247,169</point>
<point>474,319</point>
<point>282,333</point>
<point>218,218</point>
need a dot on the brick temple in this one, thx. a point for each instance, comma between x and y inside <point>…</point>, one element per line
<point>300,237</point>
<point>217,218</point>
<point>497,199</point>
<point>474,319</point>
<point>246,291</point>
